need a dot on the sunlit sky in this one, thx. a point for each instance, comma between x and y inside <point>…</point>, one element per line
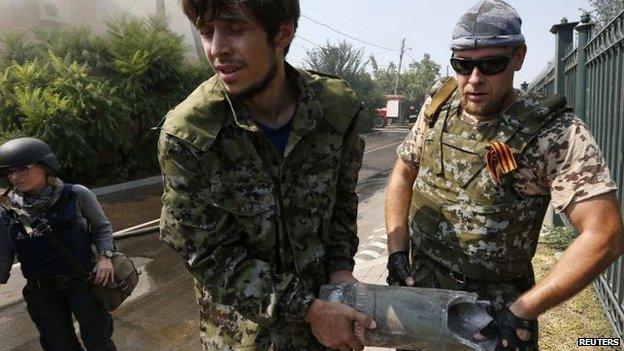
<point>425,24</point>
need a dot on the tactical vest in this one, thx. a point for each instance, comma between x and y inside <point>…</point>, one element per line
<point>459,216</point>
<point>37,256</point>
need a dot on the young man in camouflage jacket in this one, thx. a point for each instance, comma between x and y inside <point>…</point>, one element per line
<point>260,165</point>
<point>475,175</point>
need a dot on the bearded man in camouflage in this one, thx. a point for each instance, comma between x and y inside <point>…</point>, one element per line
<point>260,165</point>
<point>474,177</point>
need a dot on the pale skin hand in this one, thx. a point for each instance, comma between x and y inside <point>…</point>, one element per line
<point>600,242</point>
<point>104,271</point>
<point>346,277</point>
<point>332,324</point>
<point>398,198</point>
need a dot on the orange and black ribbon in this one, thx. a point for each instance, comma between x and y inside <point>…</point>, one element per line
<point>500,160</point>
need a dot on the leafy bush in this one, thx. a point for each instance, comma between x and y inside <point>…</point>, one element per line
<point>93,98</point>
<point>366,123</point>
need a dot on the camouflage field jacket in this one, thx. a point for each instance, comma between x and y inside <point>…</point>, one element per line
<point>259,230</point>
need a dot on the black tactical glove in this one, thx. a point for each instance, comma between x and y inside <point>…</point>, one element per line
<point>505,328</point>
<point>398,268</point>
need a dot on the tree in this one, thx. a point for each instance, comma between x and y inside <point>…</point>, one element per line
<point>385,78</point>
<point>16,48</point>
<point>342,60</point>
<point>415,81</point>
<point>419,78</point>
<point>94,99</point>
<point>603,11</point>
<point>347,62</point>
<point>60,102</point>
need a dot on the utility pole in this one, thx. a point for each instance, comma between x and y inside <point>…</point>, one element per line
<point>160,8</point>
<point>398,76</point>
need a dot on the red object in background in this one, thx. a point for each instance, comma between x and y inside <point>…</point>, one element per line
<point>381,120</point>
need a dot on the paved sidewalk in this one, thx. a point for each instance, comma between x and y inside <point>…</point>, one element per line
<point>372,272</point>
<point>372,256</point>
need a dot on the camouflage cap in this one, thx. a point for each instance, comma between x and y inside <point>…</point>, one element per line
<point>490,23</point>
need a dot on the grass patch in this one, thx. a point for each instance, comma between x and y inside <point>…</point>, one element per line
<point>558,238</point>
<point>581,316</point>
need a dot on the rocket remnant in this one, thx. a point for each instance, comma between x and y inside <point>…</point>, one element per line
<point>416,318</point>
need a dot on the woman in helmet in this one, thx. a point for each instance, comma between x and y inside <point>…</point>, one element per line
<point>53,292</point>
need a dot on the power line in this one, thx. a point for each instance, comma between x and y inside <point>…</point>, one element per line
<point>324,13</point>
<point>363,25</point>
<point>308,41</point>
<point>347,35</point>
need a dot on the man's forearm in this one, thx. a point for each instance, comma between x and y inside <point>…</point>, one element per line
<point>601,241</point>
<point>398,197</point>
<point>582,262</point>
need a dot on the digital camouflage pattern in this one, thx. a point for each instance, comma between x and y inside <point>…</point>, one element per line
<point>489,23</point>
<point>563,161</point>
<point>458,215</point>
<point>469,234</point>
<point>461,219</point>
<point>260,231</point>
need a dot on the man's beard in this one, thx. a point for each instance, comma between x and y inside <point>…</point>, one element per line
<point>489,109</point>
<point>260,86</point>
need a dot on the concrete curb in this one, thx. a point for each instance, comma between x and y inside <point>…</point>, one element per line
<point>105,190</point>
<point>11,303</point>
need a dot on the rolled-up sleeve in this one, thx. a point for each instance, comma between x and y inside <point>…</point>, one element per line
<point>410,149</point>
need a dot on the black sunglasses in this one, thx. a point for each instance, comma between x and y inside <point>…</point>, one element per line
<point>487,65</point>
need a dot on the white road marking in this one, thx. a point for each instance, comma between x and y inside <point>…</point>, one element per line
<point>382,147</point>
<point>379,244</point>
<point>371,253</point>
<point>374,247</point>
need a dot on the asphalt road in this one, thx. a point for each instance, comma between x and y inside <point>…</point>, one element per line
<point>161,314</point>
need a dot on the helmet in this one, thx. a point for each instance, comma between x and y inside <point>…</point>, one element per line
<point>23,151</point>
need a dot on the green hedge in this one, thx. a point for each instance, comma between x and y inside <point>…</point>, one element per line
<point>95,98</point>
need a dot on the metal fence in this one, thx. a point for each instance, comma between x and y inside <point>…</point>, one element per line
<point>570,62</point>
<point>545,84</point>
<point>591,76</point>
